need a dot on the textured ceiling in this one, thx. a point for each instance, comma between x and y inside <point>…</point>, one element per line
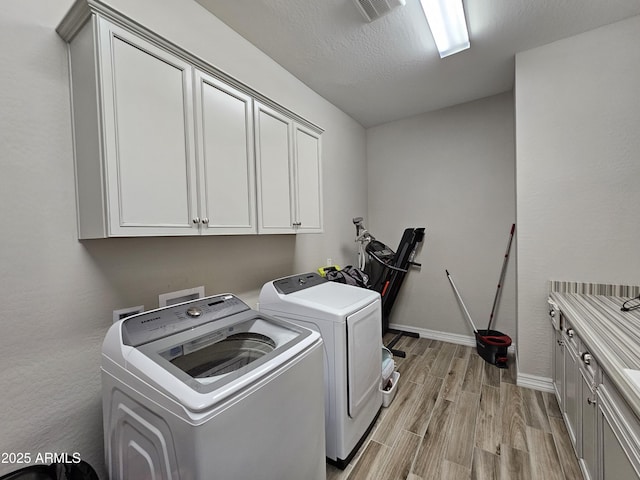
<point>389,69</point>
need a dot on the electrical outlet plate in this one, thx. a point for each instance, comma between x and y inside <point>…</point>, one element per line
<point>171,298</point>
<point>126,312</point>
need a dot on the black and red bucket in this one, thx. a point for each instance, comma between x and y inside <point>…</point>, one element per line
<point>492,346</point>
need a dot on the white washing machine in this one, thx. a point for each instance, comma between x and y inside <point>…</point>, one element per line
<point>350,321</point>
<point>210,389</point>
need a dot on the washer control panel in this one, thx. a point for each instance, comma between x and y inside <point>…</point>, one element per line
<point>296,283</point>
<point>154,324</point>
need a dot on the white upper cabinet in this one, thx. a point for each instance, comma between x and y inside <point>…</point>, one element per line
<point>165,144</point>
<point>289,174</point>
<point>135,154</point>
<point>308,180</point>
<point>274,152</point>
<point>148,136</point>
<point>226,165</point>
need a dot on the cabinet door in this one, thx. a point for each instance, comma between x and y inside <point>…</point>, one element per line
<point>226,167</point>
<point>558,368</point>
<point>571,402</point>
<point>308,181</point>
<point>615,462</point>
<point>274,152</point>
<point>589,430</point>
<point>618,427</point>
<point>148,137</point>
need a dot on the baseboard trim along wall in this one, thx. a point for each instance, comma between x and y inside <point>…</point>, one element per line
<point>535,382</point>
<point>525,380</point>
<point>442,336</point>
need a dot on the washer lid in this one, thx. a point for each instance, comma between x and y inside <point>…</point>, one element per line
<point>212,356</point>
<point>204,366</point>
<point>202,358</point>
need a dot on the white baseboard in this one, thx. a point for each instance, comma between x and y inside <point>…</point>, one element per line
<point>456,338</point>
<point>535,382</point>
<point>525,380</point>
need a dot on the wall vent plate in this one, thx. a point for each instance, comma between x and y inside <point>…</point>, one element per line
<point>373,9</point>
<point>126,312</point>
<point>171,298</point>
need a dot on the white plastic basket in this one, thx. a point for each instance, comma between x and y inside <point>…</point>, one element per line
<point>389,395</point>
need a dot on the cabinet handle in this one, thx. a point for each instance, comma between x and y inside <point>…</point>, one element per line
<point>205,221</point>
<point>297,224</point>
<point>570,332</point>
<point>552,313</point>
<point>196,220</point>
<point>591,401</point>
<point>586,358</point>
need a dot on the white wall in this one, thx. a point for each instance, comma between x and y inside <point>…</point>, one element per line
<point>578,172</point>
<point>451,171</point>
<point>58,293</point>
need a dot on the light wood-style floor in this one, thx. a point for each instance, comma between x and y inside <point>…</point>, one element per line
<point>457,417</point>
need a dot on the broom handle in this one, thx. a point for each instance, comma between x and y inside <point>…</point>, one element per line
<point>502,274</point>
<point>475,330</point>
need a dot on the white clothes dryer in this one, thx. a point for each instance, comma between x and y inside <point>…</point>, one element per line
<point>210,389</point>
<point>349,319</point>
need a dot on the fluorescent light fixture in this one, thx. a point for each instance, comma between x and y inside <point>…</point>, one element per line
<point>448,25</point>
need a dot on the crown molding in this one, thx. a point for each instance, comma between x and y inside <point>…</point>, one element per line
<point>83,10</point>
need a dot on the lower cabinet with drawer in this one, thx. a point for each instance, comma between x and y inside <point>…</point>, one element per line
<point>603,429</point>
<point>571,412</point>
<point>589,379</point>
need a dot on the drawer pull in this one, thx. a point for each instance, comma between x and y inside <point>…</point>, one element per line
<point>586,358</point>
<point>570,332</point>
<point>591,401</point>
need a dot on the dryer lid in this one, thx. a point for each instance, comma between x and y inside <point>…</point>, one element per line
<point>336,299</point>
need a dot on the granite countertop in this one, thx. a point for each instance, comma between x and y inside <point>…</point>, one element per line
<point>611,335</point>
